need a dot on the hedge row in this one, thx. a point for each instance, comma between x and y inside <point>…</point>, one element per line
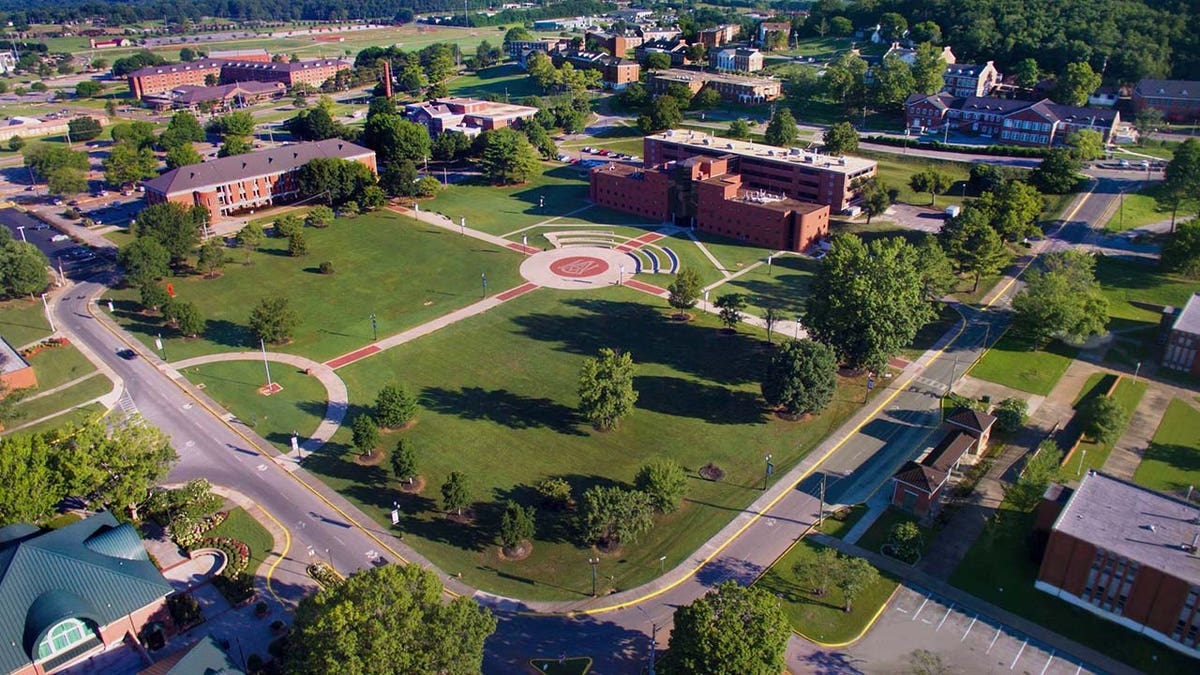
<point>1002,150</point>
<point>237,553</point>
<point>188,539</point>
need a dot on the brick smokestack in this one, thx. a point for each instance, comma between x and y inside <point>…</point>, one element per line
<point>387,78</point>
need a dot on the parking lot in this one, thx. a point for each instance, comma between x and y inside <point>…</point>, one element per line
<point>64,254</point>
<point>965,641</point>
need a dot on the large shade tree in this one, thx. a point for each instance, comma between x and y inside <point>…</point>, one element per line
<point>731,630</point>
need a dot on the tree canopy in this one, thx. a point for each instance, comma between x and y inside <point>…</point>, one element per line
<point>508,157</point>
<point>388,620</point>
<point>1061,300</point>
<point>733,629</point>
<point>606,392</point>
<point>801,377</point>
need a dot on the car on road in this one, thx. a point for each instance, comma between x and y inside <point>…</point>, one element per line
<point>1124,164</point>
<point>59,237</point>
<point>39,226</point>
<point>127,354</point>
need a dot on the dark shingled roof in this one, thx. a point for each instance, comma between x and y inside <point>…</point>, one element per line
<point>972,419</point>
<point>1184,89</point>
<point>920,476</point>
<point>240,167</point>
<point>94,569</point>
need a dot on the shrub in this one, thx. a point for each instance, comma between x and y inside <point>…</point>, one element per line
<point>516,525</point>
<point>905,541</point>
<point>297,244</point>
<point>1011,414</point>
<point>71,213</point>
<point>323,574</point>
<point>325,267</point>
<point>237,589</point>
<point>664,481</point>
<point>555,493</point>
<point>395,406</point>
<point>184,610</point>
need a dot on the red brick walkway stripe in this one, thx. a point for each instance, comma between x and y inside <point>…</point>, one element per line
<point>638,242</point>
<point>644,287</point>
<point>524,249</point>
<point>514,292</point>
<point>353,356</point>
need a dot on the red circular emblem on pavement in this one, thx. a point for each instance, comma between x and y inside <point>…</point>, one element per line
<point>578,266</point>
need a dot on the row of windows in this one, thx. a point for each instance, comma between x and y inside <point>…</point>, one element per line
<point>1172,103</point>
<point>1187,629</point>
<point>1027,124</point>
<point>1025,138</point>
<point>1179,357</point>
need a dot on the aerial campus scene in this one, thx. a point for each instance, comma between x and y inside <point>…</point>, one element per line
<point>727,336</point>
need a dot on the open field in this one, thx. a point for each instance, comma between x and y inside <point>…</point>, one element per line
<point>1137,209</point>
<point>93,387</point>
<point>896,171</point>
<point>1172,462</point>
<point>403,271</point>
<point>507,82</point>
<point>999,568</point>
<point>23,321</point>
<point>1013,363</point>
<point>821,618</point>
<point>784,285</point>
<point>59,365</point>
<point>497,210</point>
<point>234,385</point>
<point>498,395</point>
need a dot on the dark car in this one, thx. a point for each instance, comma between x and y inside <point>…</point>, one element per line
<point>127,354</point>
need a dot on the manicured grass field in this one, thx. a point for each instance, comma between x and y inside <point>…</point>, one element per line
<point>23,321</point>
<point>93,387</point>
<point>78,415</point>
<point>234,385</point>
<point>784,287</point>
<point>59,365</point>
<point>498,210</point>
<point>999,569</point>
<point>1137,209</point>
<point>732,254</point>
<point>1090,454</point>
<point>242,526</point>
<point>896,170</point>
<point>498,393</point>
<point>879,532</point>
<point>498,81</point>
<point>399,269</point>
<point>1172,462</point>
<point>820,618</point>
<point>1136,291</point>
<point>1012,363</point>
<point>838,525</point>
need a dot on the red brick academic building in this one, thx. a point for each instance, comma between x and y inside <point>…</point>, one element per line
<point>245,182</point>
<point>159,79</point>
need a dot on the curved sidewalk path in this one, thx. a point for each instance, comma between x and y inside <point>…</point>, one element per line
<point>337,398</point>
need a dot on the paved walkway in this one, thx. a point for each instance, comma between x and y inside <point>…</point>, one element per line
<point>336,396</point>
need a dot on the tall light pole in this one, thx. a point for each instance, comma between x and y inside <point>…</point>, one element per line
<point>374,327</point>
<point>50,317</point>
<point>770,470</point>
<point>266,364</point>
<point>593,562</point>
<point>653,638</point>
<point>21,229</point>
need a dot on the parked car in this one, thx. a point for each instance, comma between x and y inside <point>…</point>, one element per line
<point>127,354</point>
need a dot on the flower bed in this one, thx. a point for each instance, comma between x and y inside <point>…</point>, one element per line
<point>51,343</point>
<point>325,575</point>
<point>237,553</point>
<point>189,538</point>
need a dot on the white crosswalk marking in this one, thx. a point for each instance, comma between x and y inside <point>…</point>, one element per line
<point>128,407</point>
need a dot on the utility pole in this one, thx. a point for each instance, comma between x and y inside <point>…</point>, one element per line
<point>821,513</point>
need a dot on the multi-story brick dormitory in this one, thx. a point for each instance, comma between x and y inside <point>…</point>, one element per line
<point>159,79</point>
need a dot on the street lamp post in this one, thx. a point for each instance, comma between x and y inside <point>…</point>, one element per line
<point>653,638</point>
<point>21,229</point>
<point>50,318</point>
<point>620,275</point>
<point>797,327</point>
<point>662,565</point>
<point>374,328</point>
<point>770,470</point>
<point>1082,457</point>
<point>266,363</point>
<point>593,562</point>
<point>1137,369</point>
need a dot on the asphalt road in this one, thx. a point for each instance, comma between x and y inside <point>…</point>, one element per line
<point>618,640</point>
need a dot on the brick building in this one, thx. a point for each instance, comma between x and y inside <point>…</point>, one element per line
<point>466,115</point>
<point>733,88</point>
<point>719,35</point>
<point>919,486</point>
<point>968,79</point>
<point>738,59</point>
<point>191,97</point>
<point>519,50</point>
<point>15,371</point>
<point>617,44</point>
<point>615,72</point>
<point>1183,337</point>
<point>1009,121</point>
<point>705,193</point>
<point>160,79</point>
<point>769,30</point>
<point>1127,554</point>
<point>246,182</point>
<point>69,594</point>
<point>675,47</point>
<point>1178,100</point>
<point>790,172</point>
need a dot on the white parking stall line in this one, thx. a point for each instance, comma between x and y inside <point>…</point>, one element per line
<point>948,610</point>
<point>968,631</point>
<point>994,638</point>
<point>1079,669</point>
<point>1048,662</point>
<point>918,612</point>
<point>1018,656</point>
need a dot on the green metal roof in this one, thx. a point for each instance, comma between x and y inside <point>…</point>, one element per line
<point>204,658</point>
<point>82,570</point>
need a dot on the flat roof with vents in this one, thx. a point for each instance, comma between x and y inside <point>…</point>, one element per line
<point>792,156</point>
<point>1134,522</point>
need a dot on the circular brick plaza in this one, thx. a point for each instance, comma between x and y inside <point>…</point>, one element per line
<point>577,267</point>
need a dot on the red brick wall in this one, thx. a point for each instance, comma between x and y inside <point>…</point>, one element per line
<point>920,507</point>
<point>647,196</point>
<point>19,379</point>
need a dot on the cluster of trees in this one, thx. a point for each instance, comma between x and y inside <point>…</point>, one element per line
<point>666,111</point>
<point>341,182</point>
<point>830,569</point>
<point>131,157</point>
<point>733,629</point>
<point>63,170</point>
<point>1062,299</point>
<point>24,270</point>
<point>317,123</point>
<point>110,467</point>
<point>425,72</point>
<point>235,129</point>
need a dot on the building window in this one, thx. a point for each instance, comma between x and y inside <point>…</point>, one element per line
<point>63,636</point>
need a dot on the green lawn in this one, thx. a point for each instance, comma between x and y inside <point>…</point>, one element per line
<point>1136,291</point>
<point>877,535</point>
<point>820,618</point>
<point>1137,209</point>
<point>784,286</point>
<point>1090,454</point>
<point>497,210</point>
<point>93,387</point>
<point>504,82</point>
<point>91,411</point>
<point>234,384</point>
<point>998,568</point>
<point>732,254</point>
<point>23,321</point>
<point>896,170</point>
<point>825,47</point>
<point>838,524</point>
<point>399,269</point>
<point>242,526</point>
<point>499,394</point>
<point>1012,363</point>
<point>59,365</point>
<point>1172,462</point>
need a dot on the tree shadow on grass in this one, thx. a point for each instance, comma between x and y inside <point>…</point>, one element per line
<point>336,460</point>
<point>502,407</point>
<point>1183,461</point>
<point>684,398</point>
<point>643,331</point>
<point>228,334</point>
